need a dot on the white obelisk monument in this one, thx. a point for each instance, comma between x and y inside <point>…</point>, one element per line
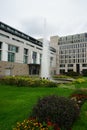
<point>45,55</point>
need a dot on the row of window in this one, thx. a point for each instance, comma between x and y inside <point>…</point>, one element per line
<point>72,61</point>
<point>11,56</point>
<point>72,51</point>
<point>75,56</point>
<point>71,65</point>
<point>73,46</point>
<point>74,37</point>
<point>71,41</point>
<point>13,49</point>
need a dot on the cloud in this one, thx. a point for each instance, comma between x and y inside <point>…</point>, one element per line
<point>63,16</point>
<point>33,26</point>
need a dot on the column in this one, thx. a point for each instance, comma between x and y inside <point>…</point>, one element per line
<point>4,51</point>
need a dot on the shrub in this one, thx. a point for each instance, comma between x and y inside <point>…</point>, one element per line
<point>21,81</point>
<point>84,72</point>
<point>48,83</point>
<point>59,110</point>
<point>79,80</point>
<point>73,74</point>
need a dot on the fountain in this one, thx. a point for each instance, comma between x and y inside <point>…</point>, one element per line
<point>45,56</point>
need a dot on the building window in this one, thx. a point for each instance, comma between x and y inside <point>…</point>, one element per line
<point>62,71</point>
<point>62,65</point>
<point>11,56</point>
<point>25,55</point>
<point>70,65</point>
<point>13,48</point>
<point>84,65</point>
<point>34,57</point>
<point>25,59</point>
<point>11,52</point>
<point>25,51</point>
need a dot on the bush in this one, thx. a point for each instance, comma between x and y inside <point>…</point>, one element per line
<point>79,80</point>
<point>84,72</point>
<point>59,110</point>
<point>73,74</point>
<point>48,83</point>
<point>21,81</point>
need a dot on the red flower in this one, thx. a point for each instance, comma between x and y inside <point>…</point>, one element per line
<point>49,123</point>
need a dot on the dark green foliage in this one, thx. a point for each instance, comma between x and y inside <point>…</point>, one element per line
<point>72,74</point>
<point>84,72</point>
<point>59,110</point>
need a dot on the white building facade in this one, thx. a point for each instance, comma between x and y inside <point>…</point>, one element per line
<point>21,54</point>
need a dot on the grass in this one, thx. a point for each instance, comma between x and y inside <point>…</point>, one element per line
<point>16,105</point>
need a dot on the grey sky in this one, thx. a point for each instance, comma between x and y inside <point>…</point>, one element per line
<point>63,17</point>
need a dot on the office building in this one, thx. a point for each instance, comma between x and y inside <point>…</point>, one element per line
<point>20,54</point>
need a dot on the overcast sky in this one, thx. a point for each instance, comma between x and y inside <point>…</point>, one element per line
<point>64,17</point>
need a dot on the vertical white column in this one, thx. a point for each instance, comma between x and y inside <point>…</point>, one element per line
<point>74,67</point>
<point>45,55</point>
<point>66,67</point>
<point>80,65</point>
<point>4,51</point>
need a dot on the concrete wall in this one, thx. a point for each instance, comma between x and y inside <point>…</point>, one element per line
<point>9,68</point>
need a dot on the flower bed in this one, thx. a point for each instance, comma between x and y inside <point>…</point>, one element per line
<point>80,96</point>
<point>33,124</point>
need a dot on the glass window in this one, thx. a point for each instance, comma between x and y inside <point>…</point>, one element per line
<point>12,48</point>
<point>25,59</point>
<point>84,65</point>
<point>25,55</point>
<point>25,51</point>
<point>11,56</point>
<point>70,65</point>
<point>34,57</point>
<point>62,65</point>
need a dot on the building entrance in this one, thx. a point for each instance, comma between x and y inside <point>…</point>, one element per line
<point>34,69</point>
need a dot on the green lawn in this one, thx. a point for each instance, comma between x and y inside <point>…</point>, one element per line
<point>16,105</point>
